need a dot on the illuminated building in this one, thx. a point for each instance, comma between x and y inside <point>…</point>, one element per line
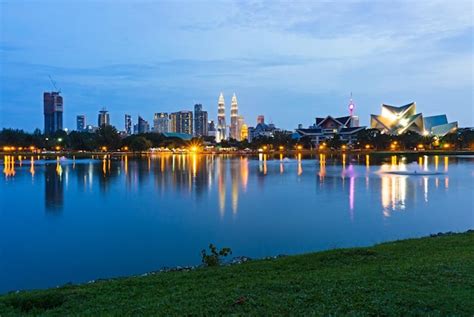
<point>244,132</point>
<point>438,125</point>
<point>103,118</point>
<point>80,123</point>
<point>200,121</point>
<point>161,122</point>
<point>53,112</point>
<point>221,133</point>
<point>181,122</point>
<point>326,128</point>
<point>398,120</point>
<point>240,124</point>
<point>234,129</point>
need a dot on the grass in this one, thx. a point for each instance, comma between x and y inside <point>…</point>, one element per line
<point>427,276</point>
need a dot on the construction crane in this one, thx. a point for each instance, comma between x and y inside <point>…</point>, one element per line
<point>53,82</point>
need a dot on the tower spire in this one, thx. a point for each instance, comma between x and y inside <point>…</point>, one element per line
<point>351,106</point>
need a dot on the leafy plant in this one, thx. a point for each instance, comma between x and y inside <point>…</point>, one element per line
<point>215,257</point>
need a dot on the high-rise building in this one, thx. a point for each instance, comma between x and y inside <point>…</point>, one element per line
<point>181,122</point>
<point>261,119</point>
<point>211,128</point>
<point>142,125</point>
<point>53,112</point>
<point>234,128</point>
<point>103,118</point>
<point>221,133</point>
<point>200,121</point>
<point>161,122</point>
<point>80,122</point>
<point>244,132</point>
<point>128,124</point>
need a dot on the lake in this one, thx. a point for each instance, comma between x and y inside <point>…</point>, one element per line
<point>77,220</point>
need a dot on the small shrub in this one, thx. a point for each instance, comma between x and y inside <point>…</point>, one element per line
<point>215,257</point>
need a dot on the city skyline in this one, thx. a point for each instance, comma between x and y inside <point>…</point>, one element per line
<point>312,56</point>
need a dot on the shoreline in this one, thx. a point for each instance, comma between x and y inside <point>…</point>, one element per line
<point>452,249</point>
<point>83,154</point>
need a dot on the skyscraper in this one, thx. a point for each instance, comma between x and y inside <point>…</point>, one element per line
<point>181,122</point>
<point>161,122</point>
<point>261,119</point>
<point>80,123</point>
<point>142,125</point>
<point>221,125</point>
<point>53,112</point>
<point>234,128</point>
<point>103,118</point>
<point>200,121</point>
<point>128,124</point>
<point>211,128</point>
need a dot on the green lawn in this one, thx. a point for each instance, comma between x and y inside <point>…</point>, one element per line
<point>433,276</point>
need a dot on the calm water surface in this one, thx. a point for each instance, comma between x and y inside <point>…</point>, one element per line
<point>74,221</point>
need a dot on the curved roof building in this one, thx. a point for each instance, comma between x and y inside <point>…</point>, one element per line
<point>398,120</point>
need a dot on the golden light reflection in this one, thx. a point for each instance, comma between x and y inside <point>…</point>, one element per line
<point>104,166</point>
<point>9,165</point>
<point>322,166</point>
<point>436,162</point>
<point>393,193</point>
<point>32,166</point>
<point>343,161</point>
<point>446,163</point>
<point>244,172</point>
<point>59,169</point>
<point>367,161</point>
<point>194,164</point>
<point>300,165</point>
<point>125,159</point>
<point>264,164</point>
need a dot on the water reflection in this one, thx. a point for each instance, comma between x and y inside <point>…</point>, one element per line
<point>130,211</point>
<point>53,187</point>
<point>198,176</point>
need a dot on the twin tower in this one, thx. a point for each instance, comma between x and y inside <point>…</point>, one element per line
<point>236,121</point>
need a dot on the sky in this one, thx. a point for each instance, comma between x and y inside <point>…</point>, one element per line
<point>290,61</point>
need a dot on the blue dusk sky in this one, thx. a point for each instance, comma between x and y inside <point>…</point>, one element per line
<point>290,61</point>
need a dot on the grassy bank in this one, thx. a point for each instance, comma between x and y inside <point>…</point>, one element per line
<point>432,275</point>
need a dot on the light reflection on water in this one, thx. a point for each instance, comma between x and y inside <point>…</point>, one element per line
<point>75,220</point>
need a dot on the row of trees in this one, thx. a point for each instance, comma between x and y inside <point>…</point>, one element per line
<point>107,137</point>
